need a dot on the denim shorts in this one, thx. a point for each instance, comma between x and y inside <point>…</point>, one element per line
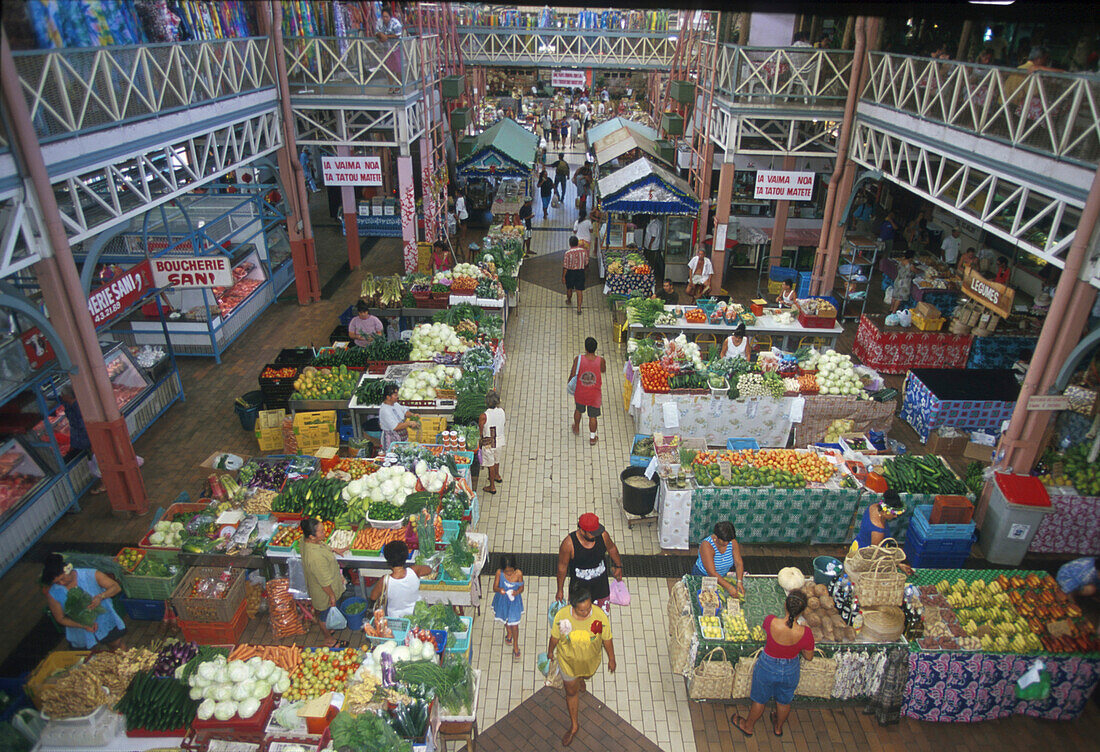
<point>774,677</point>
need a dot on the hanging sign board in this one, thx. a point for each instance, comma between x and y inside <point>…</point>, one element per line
<point>339,171</point>
<point>568,79</point>
<point>996,297</point>
<point>120,293</point>
<point>193,272</point>
<point>773,185</point>
<point>1048,402</point>
<point>38,349</point>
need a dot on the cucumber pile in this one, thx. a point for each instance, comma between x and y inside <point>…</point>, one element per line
<point>909,473</point>
<point>313,497</point>
<point>157,704</point>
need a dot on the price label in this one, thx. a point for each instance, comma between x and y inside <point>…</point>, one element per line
<point>724,468</point>
<point>710,583</point>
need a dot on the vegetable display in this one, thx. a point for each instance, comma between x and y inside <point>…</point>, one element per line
<point>910,473</point>
<point>366,733</point>
<point>430,339</point>
<point>423,384</point>
<point>236,688</point>
<point>321,670</point>
<point>435,616</point>
<point>451,681</point>
<point>172,656</point>
<point>369,391</point>
<point>157,703</point>
<point>101,680</point>
<point>390,484</point>
<point>313,497</point>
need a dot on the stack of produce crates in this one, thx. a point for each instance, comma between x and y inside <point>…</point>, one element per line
<point>211,621</point>
<point>147,584</point>
<point>945,546</point>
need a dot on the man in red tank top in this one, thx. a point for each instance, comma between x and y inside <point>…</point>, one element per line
<point>588,396</point>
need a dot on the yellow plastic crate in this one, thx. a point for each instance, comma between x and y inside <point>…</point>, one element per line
<point>927,325</point>
<point>628,391</point>
<point>54,663</point>
<point>774,288</point>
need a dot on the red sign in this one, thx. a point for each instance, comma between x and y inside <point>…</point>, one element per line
<point>38,348</point>
<point>120,293</point>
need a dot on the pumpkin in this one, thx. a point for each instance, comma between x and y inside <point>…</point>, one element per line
<point>791,578</point>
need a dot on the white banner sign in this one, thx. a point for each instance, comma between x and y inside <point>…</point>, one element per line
<point>784,186</point>
<point>192,272</point>
<point>568,79</point>
<point>352,170</point>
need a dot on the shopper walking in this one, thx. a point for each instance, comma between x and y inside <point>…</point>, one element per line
<point>582,228</point>
<point>561,176</point>
<point>324,580</point>
<point>554,137</point>
<point>573,266</point>
<point>546,191</point>
<point>461,214</point>
<point>526,214</point>
<point>588,395</point>
<point>775,675</point>
<point>508,601</point>
<point>582,178</point>
<point>903,281</point>
<point>579,635</point>
<point>574,129</point>
<point>582,557</point>
<point>491,427</point>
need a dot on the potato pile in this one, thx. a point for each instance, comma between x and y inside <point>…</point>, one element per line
<point>822,617</point>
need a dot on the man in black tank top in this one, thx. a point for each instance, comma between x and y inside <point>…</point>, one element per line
<point>583,556</point>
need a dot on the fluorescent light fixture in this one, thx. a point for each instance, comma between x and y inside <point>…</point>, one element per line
<point>992,2</point>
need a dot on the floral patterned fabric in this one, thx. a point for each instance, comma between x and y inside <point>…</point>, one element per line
<point>897,350</point>
<point>1000,350</point>
<point>971,687</point>
<point>1073,528</point>
<point>925,412</point>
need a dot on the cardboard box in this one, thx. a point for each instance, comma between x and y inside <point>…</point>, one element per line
<point>938,444</point>
<point>978,452</point>
<point>269,430</point>
<point>209,462</point>
<point>430,425</point>
<point>315,430</point>
<point>927,310</point>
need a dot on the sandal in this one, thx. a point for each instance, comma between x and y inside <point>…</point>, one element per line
<point>489,490</point>
<point>592,442</point>
<point>507,639</point>
<point>774,724</point>
<point>568,738</point>
<point>339,644</point>
<point>735,719</point>
<point>515,655</point>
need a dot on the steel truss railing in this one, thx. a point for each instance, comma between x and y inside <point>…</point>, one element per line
<point>786,75</point>
<point>74,90</point>
<point>1032,217</point>
<point>362,125</point>
<point>1051,113</point>
<point>98,197</point>
<point>567,47</point>
<point>19,236</point>
<point>767,134</point>
<point>314,63</point>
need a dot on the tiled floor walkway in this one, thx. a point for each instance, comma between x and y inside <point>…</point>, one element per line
<point>551,477</point>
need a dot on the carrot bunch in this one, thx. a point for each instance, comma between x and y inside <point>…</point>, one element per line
<point>286,657</point>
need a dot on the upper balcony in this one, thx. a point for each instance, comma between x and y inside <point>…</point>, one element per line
<point>567,48</point>
<point>331,69</point>
<point>784,78</point>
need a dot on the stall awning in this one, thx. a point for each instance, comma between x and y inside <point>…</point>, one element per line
<point>596,132</point>
<point>505,149</point>
<point>617,143</point>
<point>798,237</point>
<point>645,188</point>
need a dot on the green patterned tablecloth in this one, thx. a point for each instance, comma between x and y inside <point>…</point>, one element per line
<point>776,515</point>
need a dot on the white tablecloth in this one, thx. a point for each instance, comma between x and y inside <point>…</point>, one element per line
<point>765,419</point>
<point>674,516</point>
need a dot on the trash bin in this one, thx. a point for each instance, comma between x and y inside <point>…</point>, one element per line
<point>1016,508</point>
<point>248,409</point>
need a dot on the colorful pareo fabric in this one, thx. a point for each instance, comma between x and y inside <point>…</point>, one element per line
<point>897,351</point>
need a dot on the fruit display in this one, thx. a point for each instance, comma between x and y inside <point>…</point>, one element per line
<point>286,536</point>
<point>711,626</point>
<point>736,629</point>
<point>279,372</point>
<point>322,670</point>
<point>695,316</point>
<point>910,473</point>
<point>129,558</point>
<point>1077,471</point>
<point>325,384</point>
<point>811,466</point>
<point>823,617</point>
<point>355,468</point>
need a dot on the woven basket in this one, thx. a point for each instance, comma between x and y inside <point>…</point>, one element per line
<point>711,679</point>
<point>817,677</point>
<point>742,675</point>
<point>882,624</point>
<point>679,603</point>
<point>883,585</point>
<point>862,559</point>
<point>681,636</point>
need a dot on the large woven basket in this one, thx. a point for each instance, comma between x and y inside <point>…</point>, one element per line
<point>883,585</point>
<point>882,624</point>
<point>817,677</point>
<point>679,603</point>
<point>742,675</point>
<point>862,559</point>
<point>681,635</point>
<point>711,679</point>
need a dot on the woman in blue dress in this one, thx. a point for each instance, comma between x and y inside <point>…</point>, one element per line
<point>108,629</point>
<point>508,601</point>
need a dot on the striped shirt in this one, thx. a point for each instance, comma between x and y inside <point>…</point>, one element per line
<point>723,562</point>
<point>575,258</point>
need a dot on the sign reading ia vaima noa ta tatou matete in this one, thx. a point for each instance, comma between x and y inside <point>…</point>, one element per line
<point>351,170</point>
<point>192,272</point>
<point>784,186</point>
<point>568,79</point>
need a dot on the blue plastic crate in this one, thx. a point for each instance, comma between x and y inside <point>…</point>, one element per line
<point>804,281</point>
<point>939,545</point>
<point>450,530</point>
<point>140,609</point>
<point>13,688</point>
<point>921,559</point>
<point>782,274</point>
<point>735,445</point>
<point>399,627</point>
<point>461,644</point>
<point>919,525</point>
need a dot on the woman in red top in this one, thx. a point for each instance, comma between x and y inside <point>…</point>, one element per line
<point>777,669</point>
<point>588,396</point>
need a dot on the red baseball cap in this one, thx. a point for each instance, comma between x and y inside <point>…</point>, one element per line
<point>590,523</point>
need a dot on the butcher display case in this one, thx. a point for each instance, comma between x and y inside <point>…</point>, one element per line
<point>127,380</point>
<point>20,475</point>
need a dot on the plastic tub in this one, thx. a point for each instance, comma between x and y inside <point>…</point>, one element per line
<point>821,563</point>
<point>637,501</point>
<point>355,621</point>
<point>248,412</point>
<point>1016,507</point>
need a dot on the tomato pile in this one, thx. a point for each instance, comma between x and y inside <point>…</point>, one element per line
<point>322,670</point>
<point>695,316</point>
<point>811,466</point>
<point>643,269</point>
<point>273,372</point>
<point>706,458</point>
<point>356,468</point>
<point>654,377</point>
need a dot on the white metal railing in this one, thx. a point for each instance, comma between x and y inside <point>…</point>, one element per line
<point>784,75</point>
<point>1052,113</point>
<point>74,90</point>
<point>567,47</point>
<point>316,62</point>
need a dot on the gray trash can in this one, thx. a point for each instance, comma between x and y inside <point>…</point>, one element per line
<point>1016,507</point>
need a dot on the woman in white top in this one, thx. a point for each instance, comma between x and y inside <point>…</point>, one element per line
<point>462,215</point>
<point>701,271</point>
<point>491,425</point>
<point>788,296</point>
<point>737,344</point>
<point>582,228</point>
<point>393,419</point>
<point>402,584</point>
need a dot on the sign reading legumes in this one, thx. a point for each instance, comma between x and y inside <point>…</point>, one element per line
<point>338,171</point>
<point>192,272</point>
<point>772,185</point>
<point>568,79</point>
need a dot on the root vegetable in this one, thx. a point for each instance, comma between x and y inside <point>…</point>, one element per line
<point>814,603</point>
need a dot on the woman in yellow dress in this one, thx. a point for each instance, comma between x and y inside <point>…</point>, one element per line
<point>579,635</point>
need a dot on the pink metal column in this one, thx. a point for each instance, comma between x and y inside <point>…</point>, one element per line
<point>351,216</point>
<point>779,231</point>
<point>407,204</point>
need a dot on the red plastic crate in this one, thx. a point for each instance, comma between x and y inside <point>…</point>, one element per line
<point>216,633</point>
<point>815,322</point>
<point>140,733</point>
<point>951,510</point>
<point>256,724</point>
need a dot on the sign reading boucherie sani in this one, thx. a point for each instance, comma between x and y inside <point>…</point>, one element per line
<point>352,170</point>
<point>192,272</point>
<point>120,293</point>
<point>784,186</point>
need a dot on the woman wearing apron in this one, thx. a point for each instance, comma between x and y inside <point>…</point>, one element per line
<point>393,418</point>
<point>737,344</point>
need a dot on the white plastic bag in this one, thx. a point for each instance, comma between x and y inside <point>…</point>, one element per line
<point>888,296</point>
<point>335,619</point>
<point>905,317</point>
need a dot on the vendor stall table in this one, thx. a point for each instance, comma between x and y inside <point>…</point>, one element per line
<point>1001,349</point>
<point>931,295</point>
<point>893,349</point>
<point>761,515</point>
<point>822,409</point>
<point>120,743</point>
<point>1073,528</point>
<point>791,334</point>
<point>716,419</point>
<point>936,397</point>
